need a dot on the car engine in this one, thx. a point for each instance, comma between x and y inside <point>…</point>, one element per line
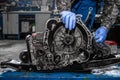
<point>58,47</point>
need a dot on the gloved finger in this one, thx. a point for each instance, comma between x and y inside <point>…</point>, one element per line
<point>67,20</point>
<point>63,18</point>
<point>104,38</point>
<point>71,22</point>
<point>96,37</point>
<point>99,40</point>
<point>97,32</point>
<point>74,22</point>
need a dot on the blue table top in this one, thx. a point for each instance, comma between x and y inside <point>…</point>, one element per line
<point>110,75</point>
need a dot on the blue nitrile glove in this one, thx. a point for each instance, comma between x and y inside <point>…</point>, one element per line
<point>101,34</point>
<point>69,19</point>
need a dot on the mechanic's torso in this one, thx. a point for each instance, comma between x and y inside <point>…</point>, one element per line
<point>83,7</point>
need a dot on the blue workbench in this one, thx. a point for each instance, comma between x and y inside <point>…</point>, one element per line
<point>55,76</point>
<point>107,73</point>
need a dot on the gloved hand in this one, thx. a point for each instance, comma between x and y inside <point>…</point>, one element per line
<point>101,34</point>
<point>69,19</point>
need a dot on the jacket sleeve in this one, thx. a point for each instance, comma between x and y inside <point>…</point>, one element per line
<point>110,12</point>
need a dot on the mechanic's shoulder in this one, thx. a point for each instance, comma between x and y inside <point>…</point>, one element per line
<point>112,1</point>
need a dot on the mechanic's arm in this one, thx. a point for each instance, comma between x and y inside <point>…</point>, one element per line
<point>110,12</point>
<point>109,15</point>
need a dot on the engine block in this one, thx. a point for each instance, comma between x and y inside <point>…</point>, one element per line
<point>58,47</point>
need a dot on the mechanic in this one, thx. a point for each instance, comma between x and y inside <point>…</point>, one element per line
<point>88,8</point>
